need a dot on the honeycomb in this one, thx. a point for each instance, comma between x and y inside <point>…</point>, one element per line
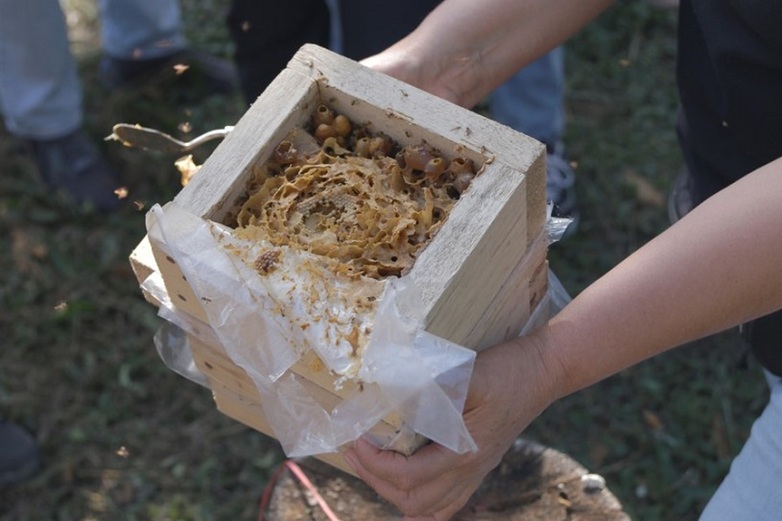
<point>337,190</point>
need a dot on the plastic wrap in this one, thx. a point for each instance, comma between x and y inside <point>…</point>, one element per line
<point>403,369</point>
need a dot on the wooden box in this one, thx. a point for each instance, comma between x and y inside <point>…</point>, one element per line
<point>479,278</point>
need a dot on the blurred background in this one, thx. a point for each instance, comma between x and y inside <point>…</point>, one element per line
<point>125,438</point>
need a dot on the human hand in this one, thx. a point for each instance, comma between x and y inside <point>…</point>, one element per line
<point>404,63</point>
<point>510,386</point>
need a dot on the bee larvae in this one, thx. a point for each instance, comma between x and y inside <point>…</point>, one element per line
<point>362,147</point>
<point>434,168</point>
<point>342,126</point>
<point>323,115</point>
<point>461,164</point>
<point>462,181</point>
<point>324,131</point>
<point>379,146</point>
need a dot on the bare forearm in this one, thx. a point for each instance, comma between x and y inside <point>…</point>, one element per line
<point>464,49</point>
<point>718,267</point>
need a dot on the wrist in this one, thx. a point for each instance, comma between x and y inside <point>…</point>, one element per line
<point>522,368</point>
<point>553,372</point>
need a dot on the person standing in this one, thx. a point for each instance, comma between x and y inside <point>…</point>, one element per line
<point>41,97</point>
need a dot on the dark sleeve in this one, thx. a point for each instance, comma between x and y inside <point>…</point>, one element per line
<point>764,337</point>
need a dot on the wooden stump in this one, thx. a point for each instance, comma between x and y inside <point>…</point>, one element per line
<point>531,483</point>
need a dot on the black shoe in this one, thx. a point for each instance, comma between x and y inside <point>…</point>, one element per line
<point>189,69</point>
<point>680,198</point>
<point>73,165</point>
<point>19,456</point>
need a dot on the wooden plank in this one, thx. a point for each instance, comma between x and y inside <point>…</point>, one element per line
<point>387,434</point>
<point>309,367</point>
<point>220,182</point>
<point>179,291</point>
<point>217,366</point>
<point>251,414</point>
<point>460,273</point>
<point>514,303</point>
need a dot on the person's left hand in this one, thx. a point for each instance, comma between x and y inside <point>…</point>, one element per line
<point>509,388</point>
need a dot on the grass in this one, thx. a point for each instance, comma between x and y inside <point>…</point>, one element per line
<point>125,438</point>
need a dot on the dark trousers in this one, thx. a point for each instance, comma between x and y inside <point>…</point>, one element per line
<point>369,27</point>
<point>266,35</point>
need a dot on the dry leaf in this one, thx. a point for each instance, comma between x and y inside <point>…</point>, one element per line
<point>719,438</point>
<point>652,420</point>
<point>24,250</point>
<point>645,192</point>
<point>187,168</point>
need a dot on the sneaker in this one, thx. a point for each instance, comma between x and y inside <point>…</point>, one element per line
<point>561,189</point>
<point>680,198</point>
<point>201,72</point>
<point>19,456</point>
<point>73,165</point>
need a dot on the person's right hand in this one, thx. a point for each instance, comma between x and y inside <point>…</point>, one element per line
<point>510,386</point>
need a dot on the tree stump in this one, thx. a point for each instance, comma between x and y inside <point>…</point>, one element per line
<point>532,482</point>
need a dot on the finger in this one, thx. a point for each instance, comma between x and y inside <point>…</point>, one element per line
<point>387,472</point>
<point>426,464</point>
<point>440,496</point>
<point>416,481</point>
<point>379,483</point>
<point>385,464</point>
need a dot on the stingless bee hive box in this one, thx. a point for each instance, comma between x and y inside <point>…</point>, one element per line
<point>350,214</point>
